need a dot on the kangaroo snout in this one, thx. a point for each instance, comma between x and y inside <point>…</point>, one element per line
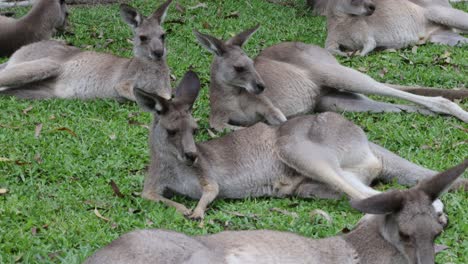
<point>191,157</point>
<point>370,9</point>
<point>157,54</point>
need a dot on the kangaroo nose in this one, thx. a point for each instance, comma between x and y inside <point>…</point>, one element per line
<point>260,87</point>
<point>158,54</point>
<point>371,8</point>
<point>191,156</point>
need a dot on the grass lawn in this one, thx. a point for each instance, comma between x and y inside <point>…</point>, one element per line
<point>58,183</point>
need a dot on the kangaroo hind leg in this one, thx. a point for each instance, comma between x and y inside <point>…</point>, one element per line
<point>318,163</point>
<point>449,17</point>
<point>28,72</point>
<point>352,102</point>
<point>448,38</point>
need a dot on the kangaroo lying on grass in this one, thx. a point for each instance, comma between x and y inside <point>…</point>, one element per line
<point>364,25</point>
<point>401,230</point>
<point>293,78</point>
<point>50,69</point>
<point>40,23</point>
<point>321,155</point>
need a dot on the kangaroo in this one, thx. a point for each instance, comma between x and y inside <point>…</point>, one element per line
<point>321,155</point>
<point>293,78</point>
<point>44,18</point>
<point>364,25</point>
<point>401,230</point>
<point>50,69</point>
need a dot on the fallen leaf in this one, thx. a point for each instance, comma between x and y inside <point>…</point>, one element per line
<point>96,212</point>
<point>211,133</point>
<point>38,158</point>
<point>37,131</point>
<point>22,163</point>
<point>3,191</point>
<point>281,211</point>
<point>391,50</point>
<point>54,255</point>
<point>66,129</point>
<point>180,8</point>
<point>133,114</point>
<point>116,189</point>
<point>199,5</point>
<point>321,213</point>
<point>11,127</point>
<point>5,159</point>
<point>456,126</point>
<point>206,25</point>
<point>233,15</point>
<point>27,109</point>
<point>254,216</point>
<point>113,136</point>
<point>52,117</point>
<point>363,69</point>
<point>414,50</point>
<point>383,72</point>
<point>34,231</point>
<point>149,222</point>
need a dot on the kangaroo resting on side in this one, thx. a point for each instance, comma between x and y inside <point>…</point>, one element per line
<point>364,25</point>
<point>50,69</point>
<point>401,230</point>
<point>40,23</point>
<point>321,155</point>
<point>293,78</point>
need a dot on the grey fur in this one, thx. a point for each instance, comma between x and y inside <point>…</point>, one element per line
<point>402,231</point>
<point>298,78</point>
<point>40,23</point>
<point>394,24</point>
<point>322,155</point>
<point>51,69</point>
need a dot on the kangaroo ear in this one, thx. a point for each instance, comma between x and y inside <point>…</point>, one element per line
<point>151,102</point>
<point>384,203</point>
<point>242,38</point>
<point>188,89</point>
<point>210,43</point>
<point>160,13</point>
<point>435,186</point>
<point>130,15</point>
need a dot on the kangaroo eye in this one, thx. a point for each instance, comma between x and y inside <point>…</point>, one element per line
<point>239,69</point>
<point>171,132</point>
<point>143,38</point>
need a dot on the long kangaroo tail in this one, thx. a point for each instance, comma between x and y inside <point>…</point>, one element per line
<point>449,17</point>
<point>425,91</point>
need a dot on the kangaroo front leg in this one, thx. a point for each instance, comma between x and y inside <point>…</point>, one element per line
<point>210,190</point>
<point>343,78</point>
<point>28,72</point>
<point>369,46</point>
<point>315,162</point>
<point>159,198</point>
<point>125,90</point>
<point>265,108</point>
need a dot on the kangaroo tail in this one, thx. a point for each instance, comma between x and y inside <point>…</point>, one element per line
<point>433,92</point>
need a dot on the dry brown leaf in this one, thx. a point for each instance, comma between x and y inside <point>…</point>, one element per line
<point>414,50</point>
<point>22,163</point>
<point>206,25</point>
<point>66,129</point>
<point>233,15</point>
<point>180,8</point>
<point>383,72</point>
<point>363,69</point>
<point>116,189</point>
<point>321,213</point>
<point>113,136</point>
<point>38,158</point>
<point>27,109</point>
<point>3,191</point>
<point>96,212</point>
<point>37,130</point>
<point>199,5</point>
<point>281,211</point>
<point>2,159</point>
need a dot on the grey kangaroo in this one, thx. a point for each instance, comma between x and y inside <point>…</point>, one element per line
<point>401,230</point>
<point>50,69</point>
<point>293,78</point>
<point>321,155</point>
<point>44,18</point>
<point>364,25</point>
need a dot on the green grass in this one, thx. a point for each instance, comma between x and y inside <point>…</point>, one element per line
<point>48,214</point>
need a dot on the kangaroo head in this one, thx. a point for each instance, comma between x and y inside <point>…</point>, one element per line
<point>175,126</point>
<point>234,69</point>
<point>410,223</point>
<point>355,7</point>
<point>149,36</point>
<point>57,12</point>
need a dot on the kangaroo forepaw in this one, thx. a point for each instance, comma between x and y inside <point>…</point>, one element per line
<point>276,118</point>
<point>197,215</point>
